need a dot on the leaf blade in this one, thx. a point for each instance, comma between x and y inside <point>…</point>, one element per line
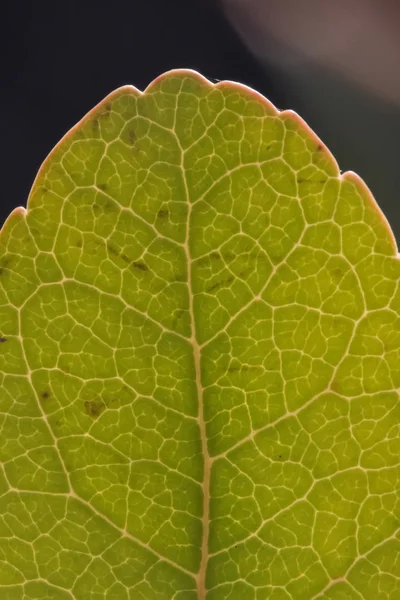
<point>201,338</point>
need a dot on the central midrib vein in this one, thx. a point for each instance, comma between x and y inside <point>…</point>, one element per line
<point>201,576</point>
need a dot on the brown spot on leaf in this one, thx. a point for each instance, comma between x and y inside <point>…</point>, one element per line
<point>112,250</point>
<point>102,186</point>
<point>5,262</point>
<point>180,277</point>
<point>178,314</point>
<point>5,265</point>
<point>303,180</point>
<point>163,213</point>
<point>132,137</point>
<point>2,340</point>
<point>140,266</point>
<point>105,114</point>
<point>35,232</point>
<point>45,395</point>
<point>337,273</point>
<point>118,254</point>
<point>94,408</point>
<point>220,284</point>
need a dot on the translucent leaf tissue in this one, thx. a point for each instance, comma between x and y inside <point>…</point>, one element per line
<point>199,361</point>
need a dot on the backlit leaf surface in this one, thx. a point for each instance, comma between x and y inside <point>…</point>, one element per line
<point>199,361</point>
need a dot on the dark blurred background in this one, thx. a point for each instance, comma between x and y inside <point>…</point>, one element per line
<point>335,62</point>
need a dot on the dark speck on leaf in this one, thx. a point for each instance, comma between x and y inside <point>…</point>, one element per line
<point>5,262</point>
<point>337,273</point>
<point>94,408</point>
<point>132,137</point>
<point>112,250</point>
<point>118,254</point>
<point>181,278</point>
<point>2,340</point>
<point>318,148</point>
<point>220,284</point>
<point>162,214</point>
<point>141,266</point>
<point>302,180</point>
<point>102,186</point>
<point>45,395</point>
<point>177,316</point>
<point>106,112</point>
<point>280,456</point>
<point>35,232</point>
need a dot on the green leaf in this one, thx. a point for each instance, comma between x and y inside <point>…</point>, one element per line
<point>199,361</point>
